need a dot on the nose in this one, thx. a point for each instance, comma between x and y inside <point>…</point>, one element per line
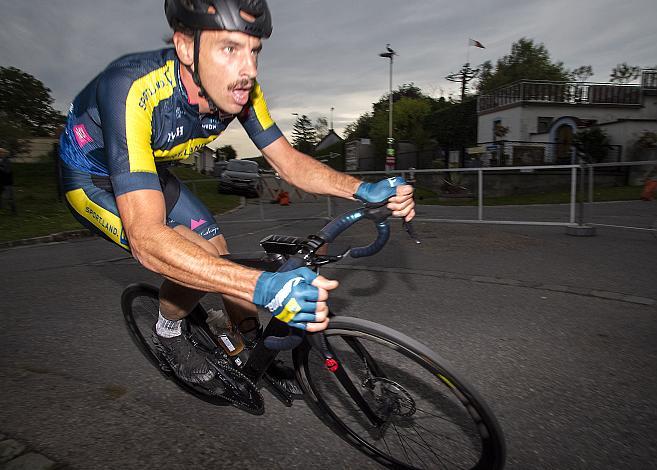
<point>250,66</point>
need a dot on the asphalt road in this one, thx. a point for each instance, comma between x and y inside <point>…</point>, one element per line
<point>556,332</point>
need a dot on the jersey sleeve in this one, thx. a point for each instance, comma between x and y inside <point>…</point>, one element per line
<point>256,120</point>
<point>125,106</point>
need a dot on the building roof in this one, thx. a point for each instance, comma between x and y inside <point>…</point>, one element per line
<point>328,140</point>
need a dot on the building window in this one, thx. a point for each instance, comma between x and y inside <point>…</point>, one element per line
<point>543,124</point>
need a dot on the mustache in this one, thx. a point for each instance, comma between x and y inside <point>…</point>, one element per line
<point>242,83</point>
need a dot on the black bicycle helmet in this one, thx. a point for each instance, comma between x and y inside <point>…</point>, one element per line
<point>194,15</point>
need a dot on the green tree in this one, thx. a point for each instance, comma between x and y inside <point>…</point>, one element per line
<point>593,142</point>
<point>624,73</point>
<point>321,127</point>
<point>408,122</point>
<point>227,152</point>
<point>26,103</point>
<point>454,125</point>
<point>527,61</point>
<point>304,135</point>
<point>11,136</point>
<point>412,120</point>
<point>362,127</point>
<point>582,73</point>
<point>359,129</point>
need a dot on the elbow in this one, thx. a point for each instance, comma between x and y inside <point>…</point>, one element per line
<point>140,250</point>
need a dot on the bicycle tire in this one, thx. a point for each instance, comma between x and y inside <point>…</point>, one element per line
<point>451,399</point>
<point>140,305</point>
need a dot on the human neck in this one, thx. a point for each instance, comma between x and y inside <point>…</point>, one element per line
<point>193,90</point>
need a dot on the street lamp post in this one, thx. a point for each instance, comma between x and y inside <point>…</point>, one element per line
<point>390,157</point>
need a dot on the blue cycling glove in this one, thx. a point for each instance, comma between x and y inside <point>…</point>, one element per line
<point>289,296</point>
<point>379,192</point>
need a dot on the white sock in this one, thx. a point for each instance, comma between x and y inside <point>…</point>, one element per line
<point>167,328</point>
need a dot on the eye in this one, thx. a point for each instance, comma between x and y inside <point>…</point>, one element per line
<point>229,49</point>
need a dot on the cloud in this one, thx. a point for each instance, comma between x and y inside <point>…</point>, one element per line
<point>324,54</point>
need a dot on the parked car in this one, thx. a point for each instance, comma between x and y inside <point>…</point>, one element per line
<point>240,177</point>
<point>219,168</point>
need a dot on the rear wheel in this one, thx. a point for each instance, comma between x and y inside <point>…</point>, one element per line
<point>398,401</point>
<point>140,304</point>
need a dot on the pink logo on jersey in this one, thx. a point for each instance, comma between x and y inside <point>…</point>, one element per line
<point>81,135</point>
<point>194,224</point>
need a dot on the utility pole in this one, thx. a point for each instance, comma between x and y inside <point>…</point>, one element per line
<point>390,157</point>
<point>465,75</point>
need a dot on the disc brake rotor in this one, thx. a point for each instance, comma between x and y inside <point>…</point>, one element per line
<point>391,398</point>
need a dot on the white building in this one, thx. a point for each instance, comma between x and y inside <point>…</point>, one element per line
<point>530,112</point>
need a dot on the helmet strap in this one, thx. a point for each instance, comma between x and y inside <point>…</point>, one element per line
<point>197,78</point>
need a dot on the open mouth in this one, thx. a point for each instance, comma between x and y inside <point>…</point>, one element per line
<point>241,94</point>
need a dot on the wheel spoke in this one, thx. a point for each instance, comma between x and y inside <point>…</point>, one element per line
<point>402,443</point>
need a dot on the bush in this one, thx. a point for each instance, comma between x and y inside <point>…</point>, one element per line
<point>594,142</point>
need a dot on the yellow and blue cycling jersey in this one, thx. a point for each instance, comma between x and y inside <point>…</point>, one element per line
<point>136,114</point>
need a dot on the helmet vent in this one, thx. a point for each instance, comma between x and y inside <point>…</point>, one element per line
<point>246,16</point>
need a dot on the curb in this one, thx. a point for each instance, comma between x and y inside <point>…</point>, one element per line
<point>54,237</point>
<point>82,233</point>
<point>15,455</point>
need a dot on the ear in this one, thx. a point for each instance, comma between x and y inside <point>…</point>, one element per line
<point>184,45</point>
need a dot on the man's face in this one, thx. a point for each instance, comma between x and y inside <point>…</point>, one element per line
<point>228,66</point>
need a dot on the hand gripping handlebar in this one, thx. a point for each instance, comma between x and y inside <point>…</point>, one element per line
<point>305,256</point>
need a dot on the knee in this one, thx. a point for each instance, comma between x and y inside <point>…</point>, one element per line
<point>219,244</point>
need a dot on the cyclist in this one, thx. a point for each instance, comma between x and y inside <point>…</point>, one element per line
<point>149,109</point>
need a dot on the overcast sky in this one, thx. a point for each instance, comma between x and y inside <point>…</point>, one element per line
<point>324,53</point>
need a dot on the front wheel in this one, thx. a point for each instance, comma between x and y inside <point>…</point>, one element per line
<point>398,401</point>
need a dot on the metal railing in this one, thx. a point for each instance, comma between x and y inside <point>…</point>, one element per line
<point>578,178</point>
<point>537,91</point>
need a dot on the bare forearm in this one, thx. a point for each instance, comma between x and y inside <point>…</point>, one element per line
<point>314,177</point>
<point>189,265</point>
<point>308,174</point>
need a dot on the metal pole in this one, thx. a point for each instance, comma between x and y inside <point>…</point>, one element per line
<point>591,182</point>
<point>573,193</point>
<point>580,215</point>
<point>390,109</point>
<point>391,150</point>
<point>390,155</point>
<point>480,190</point>
<point>329,207</point>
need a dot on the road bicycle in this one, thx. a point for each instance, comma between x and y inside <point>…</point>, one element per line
<point>383,392</point>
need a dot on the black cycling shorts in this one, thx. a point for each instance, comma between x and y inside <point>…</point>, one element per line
<point>91,201</point>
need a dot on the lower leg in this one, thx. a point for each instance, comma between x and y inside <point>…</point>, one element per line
<point>244,315</point>
<point>177,301</point>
